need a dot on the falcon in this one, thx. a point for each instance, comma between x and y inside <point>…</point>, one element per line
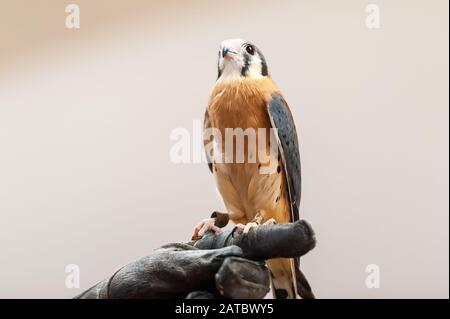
<point>264,188</point>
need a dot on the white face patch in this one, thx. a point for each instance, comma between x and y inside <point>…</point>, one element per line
<point>255,68</point>
<point>234,61</point>
<point>230,71</point>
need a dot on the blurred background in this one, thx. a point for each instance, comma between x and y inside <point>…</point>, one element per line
<point>86,115</point>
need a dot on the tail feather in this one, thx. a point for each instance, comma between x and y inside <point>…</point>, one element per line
<point>283,286</point>
<point>303,286</point>
<point>282,278</point>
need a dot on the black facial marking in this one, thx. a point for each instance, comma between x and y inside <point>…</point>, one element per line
<point>219,71</point>
<point>264,70</point>
<point>278,169</point>
<point>246,65</point>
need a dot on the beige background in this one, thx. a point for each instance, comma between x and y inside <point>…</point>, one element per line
<point>85,118</point>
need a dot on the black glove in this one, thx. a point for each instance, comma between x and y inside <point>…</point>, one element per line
<point>212,267</point>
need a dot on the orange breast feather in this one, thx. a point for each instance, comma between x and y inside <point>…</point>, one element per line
<point>246,191</point>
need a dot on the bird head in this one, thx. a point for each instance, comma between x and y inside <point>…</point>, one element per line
<point>240,59</point>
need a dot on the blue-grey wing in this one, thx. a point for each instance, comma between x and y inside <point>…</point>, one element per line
<point>281,119</point>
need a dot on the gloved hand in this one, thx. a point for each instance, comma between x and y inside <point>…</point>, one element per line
<point>212,267</point>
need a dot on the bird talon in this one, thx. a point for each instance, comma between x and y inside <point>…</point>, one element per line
<point>246,228</point>
<point>203,227</point>
<point>270,222</point>
<point>238,227</point>
<point>249,226</point>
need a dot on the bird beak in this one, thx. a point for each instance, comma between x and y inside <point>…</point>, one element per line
<point>226,50</point>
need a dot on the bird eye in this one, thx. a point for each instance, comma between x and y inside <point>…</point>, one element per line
<point>250,49</point>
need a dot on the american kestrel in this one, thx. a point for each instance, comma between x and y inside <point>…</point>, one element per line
<point>245,96</point>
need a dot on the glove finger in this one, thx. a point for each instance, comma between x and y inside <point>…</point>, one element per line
<point>240,278</point>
